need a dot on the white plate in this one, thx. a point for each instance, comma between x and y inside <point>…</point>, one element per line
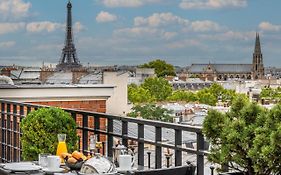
<point>21,167</point>
<point>48,171</point>
<point>124,171</point>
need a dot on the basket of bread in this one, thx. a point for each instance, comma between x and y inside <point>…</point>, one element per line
<point>75,160</point>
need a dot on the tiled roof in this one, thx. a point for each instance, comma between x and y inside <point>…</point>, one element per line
<point>25,74</point>
<point>221,68</point>
<point>60,78</point>
<point>92,78</point>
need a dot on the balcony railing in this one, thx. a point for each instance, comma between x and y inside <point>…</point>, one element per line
<point>115,127</point>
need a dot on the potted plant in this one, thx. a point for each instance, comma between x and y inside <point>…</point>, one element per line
<point>40,129</point>
<point>247,138</point>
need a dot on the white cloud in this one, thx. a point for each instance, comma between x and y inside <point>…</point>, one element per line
<point>212,4</point>
<point>267,26</point>
<point>11,27</point>
<point>77,27</point>
<point>49,47</point>
<point>43,26</point>
<point>145,33</point>
<point>170,20</point>
<point>165,26</point>
<point>169,35</point>
<point>7,44</point>
<point>122,3</point>
<point>160,19</point>
<point>127,3</point>
<point>183,44</point>
<point>205,26</point>
<point>230,35</point>
<point>137,32</point>
<point>14,8</point>
<point>105,17</point>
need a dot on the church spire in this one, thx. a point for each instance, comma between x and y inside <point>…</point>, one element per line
<point>69,59</point>
<point>258,68</point>
<point>258,44</point>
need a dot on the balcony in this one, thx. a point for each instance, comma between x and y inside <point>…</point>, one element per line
<point>150,136</point>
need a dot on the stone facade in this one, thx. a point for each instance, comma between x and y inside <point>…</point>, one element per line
<point>222,72</point>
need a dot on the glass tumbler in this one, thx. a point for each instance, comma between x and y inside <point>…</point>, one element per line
<point>43,159</point>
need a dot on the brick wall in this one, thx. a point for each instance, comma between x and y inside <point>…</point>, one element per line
<point>89,105</point>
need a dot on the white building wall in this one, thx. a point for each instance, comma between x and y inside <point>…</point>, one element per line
<point>56,93</point>
<point>117,104</point>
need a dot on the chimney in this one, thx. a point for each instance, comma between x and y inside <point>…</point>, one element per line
<point>77,74</point>
<point>45,73</point>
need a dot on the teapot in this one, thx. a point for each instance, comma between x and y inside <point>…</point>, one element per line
<point>121,153</point>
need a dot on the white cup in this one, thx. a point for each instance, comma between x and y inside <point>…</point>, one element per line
<point>125,162</point>
<point>53,162</point>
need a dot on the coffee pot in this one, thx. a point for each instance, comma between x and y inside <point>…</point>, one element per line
<point>121,150</point>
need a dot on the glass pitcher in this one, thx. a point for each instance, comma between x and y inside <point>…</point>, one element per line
<point>61,145</point>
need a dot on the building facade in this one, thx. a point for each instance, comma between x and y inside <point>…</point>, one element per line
<point>222,72</point>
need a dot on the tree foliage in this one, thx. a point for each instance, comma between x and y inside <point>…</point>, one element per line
<point>182,95</point>
<point>151,112</point>
<point>206,97</point>
<point>158,87</point>
<point>162,68</point>
<point>153,89</point>
<point>209,96</point>
<point>247,137</point>
<point>269,93</point>
<point>40,129</point>
<point>139,94</point>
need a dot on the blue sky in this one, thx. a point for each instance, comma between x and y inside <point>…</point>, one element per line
<point>110,32</point>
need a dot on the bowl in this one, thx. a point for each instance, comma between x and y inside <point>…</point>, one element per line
<point>75,166</point>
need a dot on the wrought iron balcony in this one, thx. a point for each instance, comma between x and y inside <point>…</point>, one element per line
<point>143,132</point>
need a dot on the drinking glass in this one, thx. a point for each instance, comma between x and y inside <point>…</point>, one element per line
<point>43,159</point>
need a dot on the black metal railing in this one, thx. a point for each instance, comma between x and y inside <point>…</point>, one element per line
<point>113,127</point>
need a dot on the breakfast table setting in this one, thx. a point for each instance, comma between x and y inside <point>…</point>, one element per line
<point>95,165</point>
<point>76,163</point>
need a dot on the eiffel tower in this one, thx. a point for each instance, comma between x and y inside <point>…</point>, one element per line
<point>69,59</point>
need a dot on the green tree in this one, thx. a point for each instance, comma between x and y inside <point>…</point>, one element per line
<point>139,94</point>
<point>162,68</point>
<point>271,94</point>
<point>182,95</point>
<point>205,97</point>
<point>151,112</point>
<point>247,138</point>
<point>267,93</point>
<point>216,89</point>
<point>158,87</point>
<point>214,93</point>
<point>267,143</point>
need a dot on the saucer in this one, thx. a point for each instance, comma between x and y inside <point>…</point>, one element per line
<point>124,171</point>
<point>51,171</point>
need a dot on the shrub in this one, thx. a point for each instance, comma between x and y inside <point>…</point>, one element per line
<point>40,129</point>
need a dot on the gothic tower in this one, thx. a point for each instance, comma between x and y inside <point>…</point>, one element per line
<point>258,69</point>
<point>69,59</point>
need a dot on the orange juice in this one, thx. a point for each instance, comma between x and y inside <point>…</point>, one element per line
<point>61,146</point>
